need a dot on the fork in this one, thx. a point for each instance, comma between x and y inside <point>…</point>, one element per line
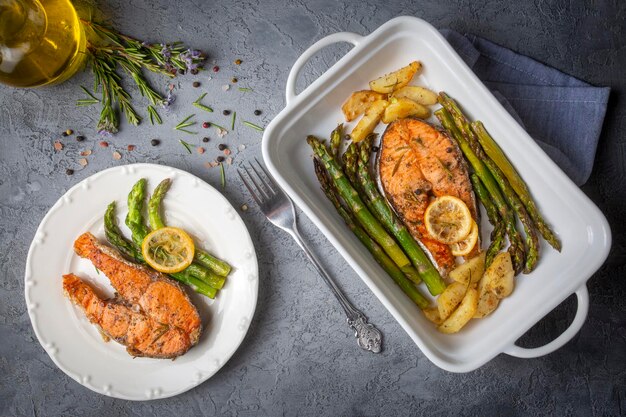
<point>279,210</point>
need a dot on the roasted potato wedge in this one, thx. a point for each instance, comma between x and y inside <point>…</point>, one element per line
<point>403,107</point>
<point>369,121</point>
<point>420,95</point>
<point>450,298</point>
<point>395,80</point>
<point>358,102</point>
<point>432,314</point>
<point>462,314</point>
<point>471,271</point>
<point>500,276</point>
<point>487,303</point>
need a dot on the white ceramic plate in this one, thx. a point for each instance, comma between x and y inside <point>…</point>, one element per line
<point>75,345</point>
<point>581,226</point>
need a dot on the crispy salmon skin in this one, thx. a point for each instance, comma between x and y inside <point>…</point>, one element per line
<point>159,300</point>
<point>416,163</point>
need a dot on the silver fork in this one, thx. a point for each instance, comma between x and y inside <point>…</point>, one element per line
<point>279,210</point>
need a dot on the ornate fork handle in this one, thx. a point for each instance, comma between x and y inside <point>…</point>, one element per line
<point>367,335</point>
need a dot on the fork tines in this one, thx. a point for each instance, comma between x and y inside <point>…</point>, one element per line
<point>262,187</point>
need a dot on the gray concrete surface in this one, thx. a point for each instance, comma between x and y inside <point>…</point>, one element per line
<point>299,358</point>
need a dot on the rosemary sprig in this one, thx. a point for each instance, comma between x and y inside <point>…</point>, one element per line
<point>245,89</point>
<point>186,123</point>
<point>110,50</point>
<point>232,123</point>
<point>154,116</point>
<point>187,146</point>
<point>222,176</point>
<point>202,106</point>
<point>253,126</point>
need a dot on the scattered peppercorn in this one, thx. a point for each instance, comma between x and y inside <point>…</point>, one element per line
<point>69,171</point>
<point>130,148</point>
<point>233,80</point>
<point>104,144</point>
<point>257,112</point>
<point>220,159</point>
<point>67,132</point>
<point>238,62</point>
<point>375,148</point>
<point>221,147</point>
<point>194,71</point>
<point>206,125</point>
<point>196,84</point>
<point>216,68</point>
<point>181,71</point>
<point>155,142</point>
<point>226,112</point>
<point>80,138</point>
<point>205,139</point>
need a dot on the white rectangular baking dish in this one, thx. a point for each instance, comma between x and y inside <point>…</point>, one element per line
<point>581,226</point>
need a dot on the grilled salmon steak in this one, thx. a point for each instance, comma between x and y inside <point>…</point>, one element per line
<point>142,335</point>
<point>152,296</point>
<point>417,162</point>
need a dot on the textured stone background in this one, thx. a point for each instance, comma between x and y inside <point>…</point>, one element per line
<point>299,358</point>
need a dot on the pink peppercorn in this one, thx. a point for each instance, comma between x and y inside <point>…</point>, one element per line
<point>216,68</point>
<point>206,125</point>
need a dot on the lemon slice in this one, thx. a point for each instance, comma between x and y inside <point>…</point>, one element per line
<point>448,220</point>
<point>465,246</point>
<point>168,250</point>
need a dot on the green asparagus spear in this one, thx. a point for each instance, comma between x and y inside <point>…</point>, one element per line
<point>154,205</point>
<point>349,163</point>
<point>532,239</point>
<point>497,155</point>
<point>379,255</point>
<point>335,141</point>
<point>207,267</point>
<point>126,247</point>
<point>134,218</point>
<point>356,205</point>
<point>516,248</point>
<point>425,268</point>
<point>499,231</point>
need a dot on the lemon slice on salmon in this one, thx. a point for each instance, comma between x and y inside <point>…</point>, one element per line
<point>465,246</point>
<point>448,220</point>
<point>168,250</point>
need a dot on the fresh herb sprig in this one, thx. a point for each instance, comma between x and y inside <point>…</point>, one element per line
<point>110,50</point>
<point>253,126</point>
<point>201,106</point>
<point>182,126</point>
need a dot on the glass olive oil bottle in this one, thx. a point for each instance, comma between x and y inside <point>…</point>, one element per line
<point>41,42</point>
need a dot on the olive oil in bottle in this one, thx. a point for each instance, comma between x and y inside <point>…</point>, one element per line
<point>42,42</point>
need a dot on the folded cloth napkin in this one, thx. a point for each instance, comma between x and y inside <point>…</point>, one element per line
<point>563,114</point>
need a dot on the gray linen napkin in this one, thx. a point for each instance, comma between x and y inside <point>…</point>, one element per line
<point>563,114</point>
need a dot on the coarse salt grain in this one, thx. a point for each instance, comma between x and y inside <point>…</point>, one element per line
<point>117,155</point>
<point>229,160</point>
<point>241,147</point>
<point>86,153</point>
<point>225,87</point>
<point>222,132</point>
<point>208,165</point>
<point>58,146</point>
<point>130,148</point>
<point>82,162</point>
<point>200,150</point>
<point>226,151</point>
<point>104,144</point>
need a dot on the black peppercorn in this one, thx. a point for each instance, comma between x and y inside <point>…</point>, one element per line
<point>226,112</point>
<point>257,112</point>
<point>221,147</point>
<point>196,84</point>
<point>205,139</point>
<point>155,142</point>
<point>233,80</point>
<point>194,71</point>
<point>375,148</point>
<point>80,138</point>
<point>220,159</point>
<point>181,71</point>
<point>69,171</point>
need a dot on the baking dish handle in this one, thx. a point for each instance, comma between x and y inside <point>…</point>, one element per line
<point>581,315</point>
<point>349,37</point>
